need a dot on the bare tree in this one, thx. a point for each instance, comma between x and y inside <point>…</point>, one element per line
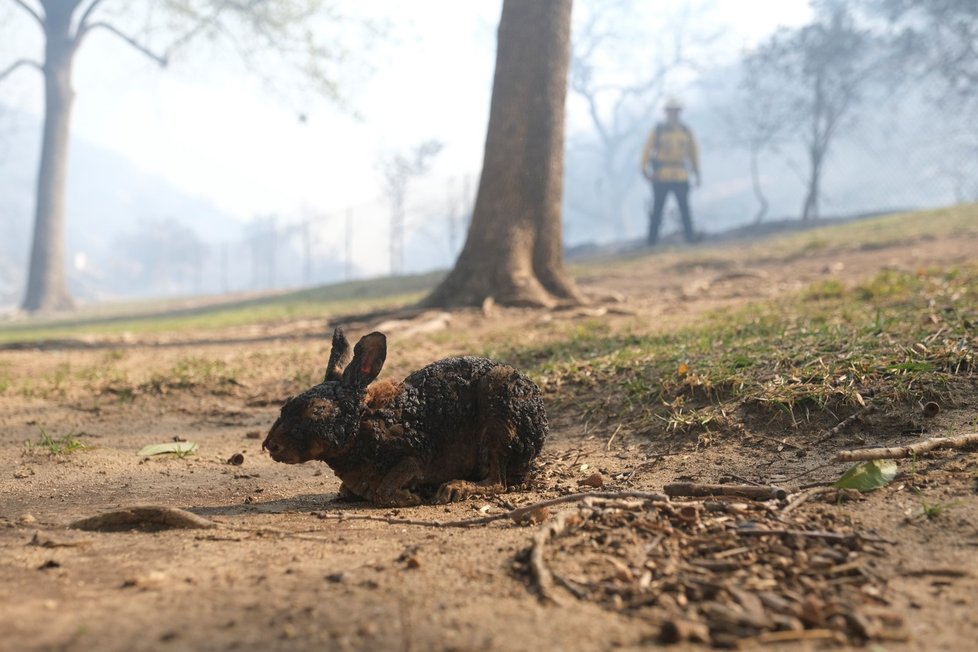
<point>398,170</point>
<point>806,83</point>
<point>936,35</point>
<point>514,251</point>
<point>66,24</point>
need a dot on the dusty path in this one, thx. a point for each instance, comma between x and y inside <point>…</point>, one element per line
<point>282,574</point>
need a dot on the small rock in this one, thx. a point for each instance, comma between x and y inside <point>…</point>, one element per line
<point>538,515</point>
<point>26,519</point>
<point>253,434</point>
<point>931,409</point>
<point>236,460</point>
<point>410,558</point>
<point>24,472</point>
<point>595,480</point>
<point>151,580</point>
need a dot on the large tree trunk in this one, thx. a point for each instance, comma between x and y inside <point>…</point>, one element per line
<point>514,249</point>
<point>46,288</point>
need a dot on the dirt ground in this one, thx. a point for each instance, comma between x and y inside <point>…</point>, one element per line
<point>282,573</point>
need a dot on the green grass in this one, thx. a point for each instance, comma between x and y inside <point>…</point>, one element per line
<point>870,233</point>
<point>896,338</point>
<point>171,317</point>
<point>61,446</point>
<point>880,232</point>
<point>148,318</point>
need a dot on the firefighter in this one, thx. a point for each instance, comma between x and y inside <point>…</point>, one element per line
<point>668,158</point>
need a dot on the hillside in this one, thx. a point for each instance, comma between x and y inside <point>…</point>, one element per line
<point>108,199</point>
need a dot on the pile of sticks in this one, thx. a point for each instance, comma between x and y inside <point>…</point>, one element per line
<point>718,572</point>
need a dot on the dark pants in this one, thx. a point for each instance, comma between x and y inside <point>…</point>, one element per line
<point>660,191</point>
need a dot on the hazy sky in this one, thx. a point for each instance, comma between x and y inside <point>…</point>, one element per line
<point>211,130</point>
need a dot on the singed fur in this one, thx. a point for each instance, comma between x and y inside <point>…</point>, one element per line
<point>455,427</point>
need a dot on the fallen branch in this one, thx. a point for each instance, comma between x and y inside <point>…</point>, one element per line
<point>741,490</point>
<point>542,577</point>
<point>900,452</point>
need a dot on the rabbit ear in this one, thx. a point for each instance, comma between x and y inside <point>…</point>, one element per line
<point>368,359</point>
<point>339,356</point>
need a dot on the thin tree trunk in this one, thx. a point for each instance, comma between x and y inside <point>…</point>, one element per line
<point>815,152</point>
<point>755,178</point>
<point>46,287</point>
<point>810,210</point>
<point>514,250</point>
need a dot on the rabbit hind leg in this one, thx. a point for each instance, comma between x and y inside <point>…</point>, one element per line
<point>495,480</point>
<point>395,488</point>
<point>501,397</point>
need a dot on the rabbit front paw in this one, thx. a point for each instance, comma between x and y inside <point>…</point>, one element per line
<point>455,490</point>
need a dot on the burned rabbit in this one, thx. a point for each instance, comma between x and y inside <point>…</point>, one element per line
<point>456,427</point>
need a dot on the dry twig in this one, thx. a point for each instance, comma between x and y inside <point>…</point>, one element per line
<point>541,574</point>
<point>518,515</point>
<point>741,490</point>
<point>848,421</point>
<point>900,452</point>
<point>805,496</point>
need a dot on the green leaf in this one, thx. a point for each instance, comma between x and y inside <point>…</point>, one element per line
<point>176,447</point>
<point>867,476</point>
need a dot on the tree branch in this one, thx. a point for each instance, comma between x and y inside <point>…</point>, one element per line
<point>26,7</point>
<point>83,22</point>
<point>160,59</point>
<point>18,64</point>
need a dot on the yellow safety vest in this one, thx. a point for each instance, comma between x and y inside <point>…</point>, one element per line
<point>671,151</point>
